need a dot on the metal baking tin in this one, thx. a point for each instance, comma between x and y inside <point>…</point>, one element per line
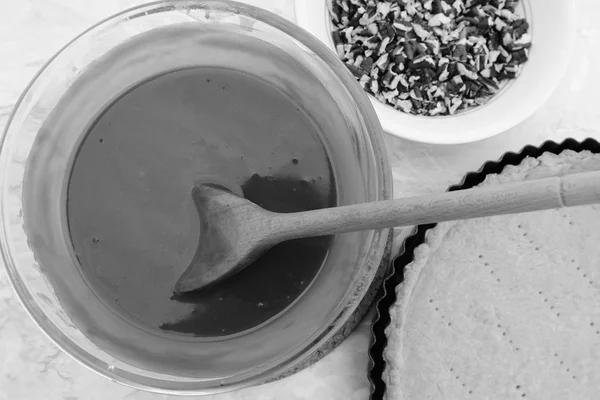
<point>388,291</point>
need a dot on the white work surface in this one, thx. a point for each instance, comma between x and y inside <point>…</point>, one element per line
<point>32,368</point>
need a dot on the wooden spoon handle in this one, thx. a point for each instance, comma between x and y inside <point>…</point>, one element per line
<point>534,195</point>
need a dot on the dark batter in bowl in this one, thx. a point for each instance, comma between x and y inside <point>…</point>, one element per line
<point>131,216</point>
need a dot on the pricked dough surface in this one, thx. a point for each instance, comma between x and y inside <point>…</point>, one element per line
<point>504,307</point>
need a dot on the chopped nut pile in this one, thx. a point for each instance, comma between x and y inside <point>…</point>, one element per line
<point>431,57</point>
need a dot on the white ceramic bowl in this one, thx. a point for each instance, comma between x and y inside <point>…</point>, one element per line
<point>552,26</point>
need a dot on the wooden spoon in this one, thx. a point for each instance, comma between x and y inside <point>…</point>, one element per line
<point>235,231</point>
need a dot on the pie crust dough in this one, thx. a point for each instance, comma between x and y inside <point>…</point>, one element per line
<point>503,307</point>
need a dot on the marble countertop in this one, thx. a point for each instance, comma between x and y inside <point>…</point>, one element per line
<point>31,367</point>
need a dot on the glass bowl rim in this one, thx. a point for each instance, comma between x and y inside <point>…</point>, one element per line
<point>374,135</point>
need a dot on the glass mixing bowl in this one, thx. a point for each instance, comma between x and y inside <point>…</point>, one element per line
<point>62,310</point>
